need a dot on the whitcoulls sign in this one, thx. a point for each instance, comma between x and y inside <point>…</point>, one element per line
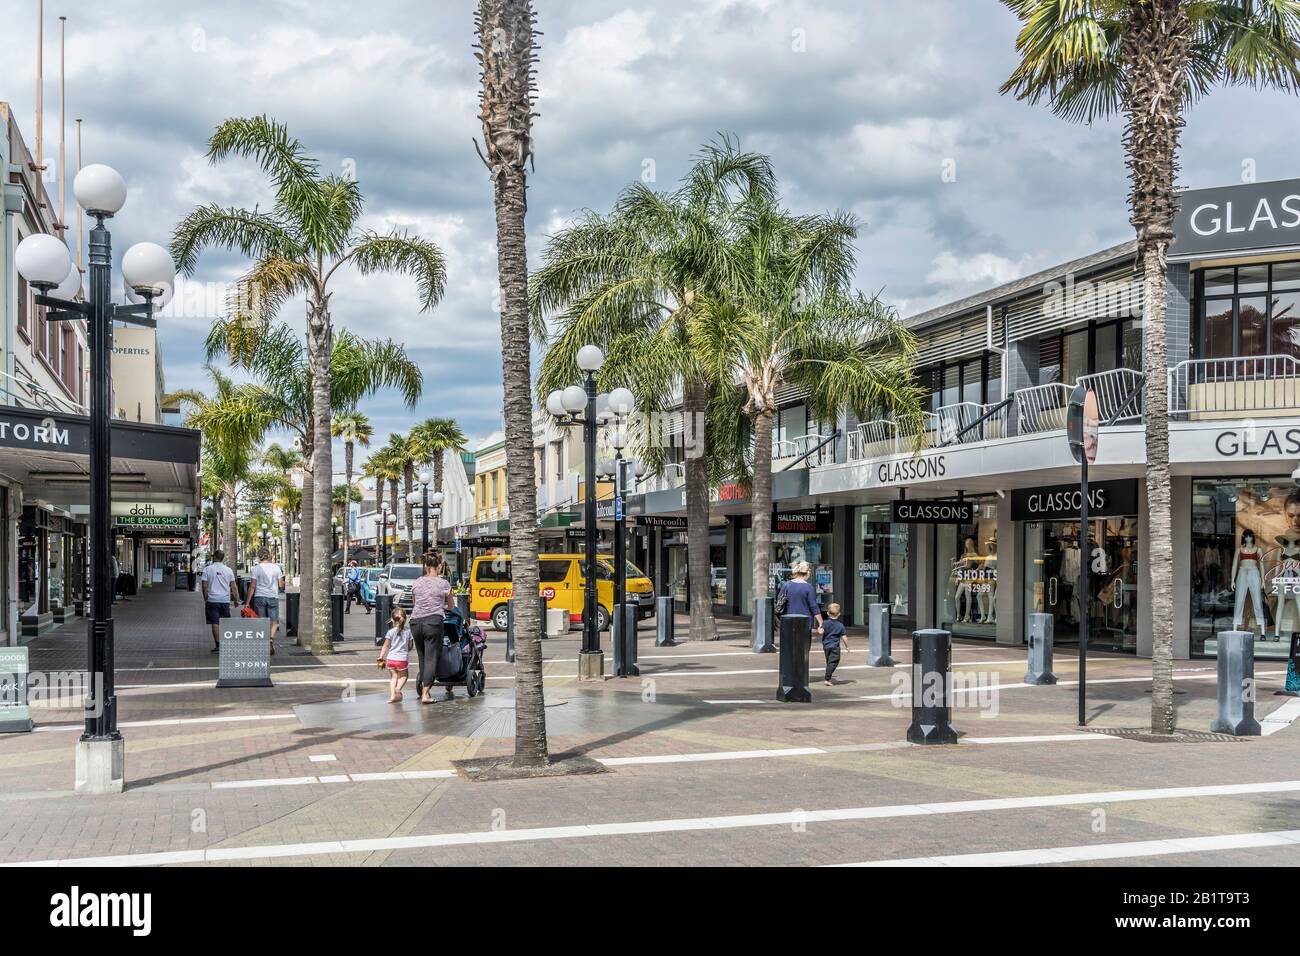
<point>1106,499</point>
<point>916,511</point>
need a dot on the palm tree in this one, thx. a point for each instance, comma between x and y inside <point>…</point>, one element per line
<point>633,282</point>
<point>355,429</point>
<point>404,452</point>
<point>505,53</point>
<point>788,319</point>
<point>231,431</point>
<point>297,247</point>
<point>288,498</point>
<point>282,387</point>
<point>436,437</point>
<point>1150,59</point>
<point>388,472</point>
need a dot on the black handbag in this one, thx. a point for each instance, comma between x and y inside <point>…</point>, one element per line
<point>781,604</point>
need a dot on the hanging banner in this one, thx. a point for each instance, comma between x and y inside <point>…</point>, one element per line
<point>917,511</point>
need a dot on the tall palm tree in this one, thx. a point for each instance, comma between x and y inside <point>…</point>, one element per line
<point>505,51</point>
<point>405,452</point>
<point>310,233</point>
<point>436,437</point>
<point>283,461</point>
<point>632,282</point>
<point>355,429</point>
<point>789,319</point>
<point>282,386</point>
<point>388,472</point>
<point>232,430</point>
<point>1149,60</point>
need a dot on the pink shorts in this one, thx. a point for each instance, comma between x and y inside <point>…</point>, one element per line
<point>397,665</point>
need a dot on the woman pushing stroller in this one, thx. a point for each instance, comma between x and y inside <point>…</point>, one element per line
<point>431,600</point>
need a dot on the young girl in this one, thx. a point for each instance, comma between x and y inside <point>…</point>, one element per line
<point>395,654</point>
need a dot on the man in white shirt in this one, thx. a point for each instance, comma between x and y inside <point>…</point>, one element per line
<point>264,593</point>
<point>219,592</point>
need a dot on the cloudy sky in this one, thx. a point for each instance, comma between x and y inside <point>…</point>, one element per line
<point>889,109</point>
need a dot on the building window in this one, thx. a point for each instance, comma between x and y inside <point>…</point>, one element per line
<point>1089,350</point>
<point>24,307</point>
<point>1248,310</point>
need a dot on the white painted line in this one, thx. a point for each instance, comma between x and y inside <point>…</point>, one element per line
<point>1030,739</point>
<point>267,782</point>
<point>322,758</point>
<point>903,695</point>
<point>679,825</point>
<point>1104,851</point>
<point>1281,717</point>
<point>173,722</point>
<point>702,757</point>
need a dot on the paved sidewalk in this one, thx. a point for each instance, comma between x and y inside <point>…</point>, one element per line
<point>322,757</point>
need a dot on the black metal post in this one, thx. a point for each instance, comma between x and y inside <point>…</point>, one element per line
<point>590,625</point>
<point>424,530</point>
<point>620,535</point>
<point>1085,554</point>
<point>101,705</point>
<point>383,539</point>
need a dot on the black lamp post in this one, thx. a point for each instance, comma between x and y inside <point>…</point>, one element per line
<point>148,271</point>
<point>297,540</point>
<point>566,405</point>
<point>383,536</point>
<point>425,500</point>
<point>265,529</point>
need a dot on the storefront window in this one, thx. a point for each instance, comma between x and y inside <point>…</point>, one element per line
<point>1248,310</point>
<point>788,549</point>
<point>966,575</point>
<point>1245,563</point>
<point>881,565</point>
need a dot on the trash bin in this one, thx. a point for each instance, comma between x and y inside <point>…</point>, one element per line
<point>292,605</point>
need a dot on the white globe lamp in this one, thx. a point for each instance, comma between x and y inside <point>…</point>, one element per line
<point>43,260</point>
<point>99,189</point>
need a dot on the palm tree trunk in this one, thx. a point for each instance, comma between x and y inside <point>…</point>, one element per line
<point>505,50</point>
<point>408,483</point>
<point>1155,46</point>
<point>694,406</point>
<point>347,477</point>
<point>306,548</point>
<point>319,345</point>
<point>230,529</point>
<point>761,504</point>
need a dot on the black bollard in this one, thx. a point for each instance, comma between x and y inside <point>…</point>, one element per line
<point>383,611</point>
<point>624,639</point>
<point>762,626</point>
<point>543,606</point>
<point>1041,628</point>
<point>510,631</point>
<point>292,608</point>
<point>336,616</point>
<point>664,622</point>
<point>931,708</point>
<point>796,640</point>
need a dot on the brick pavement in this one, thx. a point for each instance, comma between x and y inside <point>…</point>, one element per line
<point>166,673</point>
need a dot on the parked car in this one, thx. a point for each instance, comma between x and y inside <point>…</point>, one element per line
<point>563,583</point>
<point>397,580</point>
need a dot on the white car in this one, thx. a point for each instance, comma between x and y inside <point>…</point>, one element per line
<point>397,580</point>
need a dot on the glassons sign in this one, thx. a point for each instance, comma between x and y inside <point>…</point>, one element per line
<point>1249,216</point>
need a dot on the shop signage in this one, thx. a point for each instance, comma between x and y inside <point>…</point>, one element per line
<point>245,655</point>
<point>661,521</point>
<point>916,511</point>
<point>1247,216</point>
<point>45,431</point>
<point>170,508</point>
<point>922,468</point>
<point>803,522</point>
<point>1106,499</point>
<point>1255,442</point>
<point>15,715</point>
<point>151,521</point>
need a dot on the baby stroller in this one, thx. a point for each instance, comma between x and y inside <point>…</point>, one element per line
<point>460,661</point>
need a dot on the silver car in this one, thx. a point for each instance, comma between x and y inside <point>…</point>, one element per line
<point>397,580</point>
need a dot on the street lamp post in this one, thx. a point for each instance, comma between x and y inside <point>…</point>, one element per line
<point>565,405</point>
<point>265,528</point>
<point>425,501</point>
<point>148,272</point>
<point>383,535</point>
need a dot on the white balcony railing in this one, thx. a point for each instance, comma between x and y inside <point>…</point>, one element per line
<point>794,448</point>
<point>1119,394</point>
<point>1258,387</point>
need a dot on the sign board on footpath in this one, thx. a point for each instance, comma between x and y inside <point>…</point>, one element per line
<point>15,715</point>
<point>245,658</point>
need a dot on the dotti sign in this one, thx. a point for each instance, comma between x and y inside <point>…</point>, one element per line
<point>915,511</point>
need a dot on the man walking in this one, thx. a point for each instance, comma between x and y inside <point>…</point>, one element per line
<point>352,586</point>
<point>264,592</point>
<point>219,592</point>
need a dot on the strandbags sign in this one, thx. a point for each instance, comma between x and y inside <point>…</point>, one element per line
<point>1106,499</point>
<point>916,511</point>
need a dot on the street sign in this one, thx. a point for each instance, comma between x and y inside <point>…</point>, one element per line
<point>1083,424</point>
<point>15,715</point>
<point>245,658</point>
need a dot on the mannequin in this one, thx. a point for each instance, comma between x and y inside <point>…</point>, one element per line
<point>990,584</point>
<point>966,568</point>
<point>1286,582</point>
<point>1248,578</point>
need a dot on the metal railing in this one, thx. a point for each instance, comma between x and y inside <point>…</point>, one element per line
<point>26,393</point>
<point>1259,386</point>
<point>813,447</point>
<point>1119,394</point>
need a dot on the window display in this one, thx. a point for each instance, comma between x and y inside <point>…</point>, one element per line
<point>881,561</point>
<point>967,574</point>
<point>1245,563</point>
